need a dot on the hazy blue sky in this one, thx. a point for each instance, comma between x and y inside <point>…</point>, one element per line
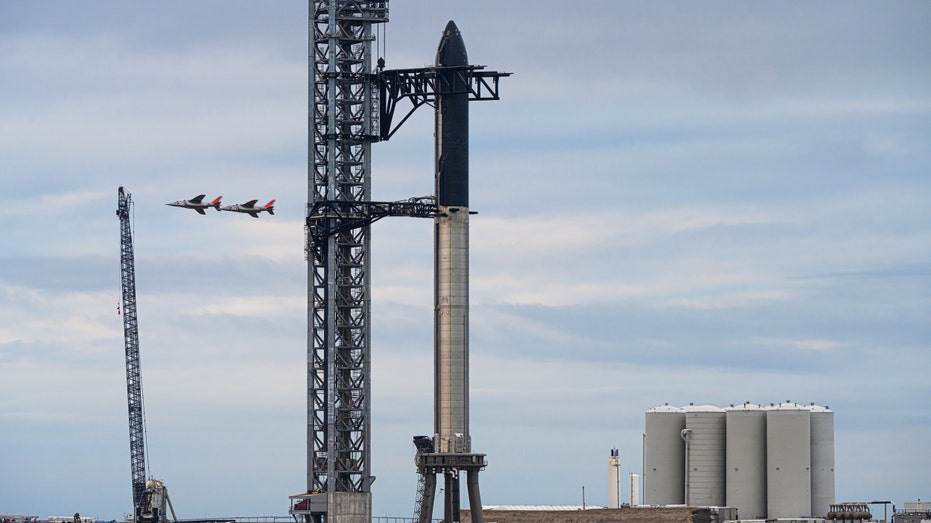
<point>708,202</point>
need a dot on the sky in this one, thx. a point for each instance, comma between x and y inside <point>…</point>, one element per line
<point>678,202</point>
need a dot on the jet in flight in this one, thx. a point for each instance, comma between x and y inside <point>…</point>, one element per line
<point>197,203</point>
<point>250,208</point>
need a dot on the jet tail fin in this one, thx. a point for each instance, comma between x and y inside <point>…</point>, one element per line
<point>216,203</point>
<point>270,206</point>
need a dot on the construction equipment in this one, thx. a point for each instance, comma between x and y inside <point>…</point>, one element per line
<point>149,497</point>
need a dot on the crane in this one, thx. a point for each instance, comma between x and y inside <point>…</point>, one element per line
<point>149,497</point>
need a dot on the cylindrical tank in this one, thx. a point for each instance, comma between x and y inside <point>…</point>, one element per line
<point>664,456</point>
<point>822,460</point>
<point>746,460</point>
<point>788,461</point>
<point>704,438</point>
<point>634,490</point>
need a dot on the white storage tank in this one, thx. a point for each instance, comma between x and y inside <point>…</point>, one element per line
<point>788,461</point>
<point>634,490</point>
<point>664,456</point>
<point>822,460</point>
<point>745,451</point>
<point>704,439</point>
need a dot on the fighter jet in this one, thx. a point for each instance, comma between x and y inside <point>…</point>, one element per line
<point>197,203</point>
<point>250,208</point>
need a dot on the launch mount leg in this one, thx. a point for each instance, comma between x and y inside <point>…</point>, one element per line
<point>475,497</point>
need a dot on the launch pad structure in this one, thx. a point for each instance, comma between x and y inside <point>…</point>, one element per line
<point>352,107</point>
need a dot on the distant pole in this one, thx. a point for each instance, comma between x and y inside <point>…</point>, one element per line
<point>583,497</point>
<point>643,464</point>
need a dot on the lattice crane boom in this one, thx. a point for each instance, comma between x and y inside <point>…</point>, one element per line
<point>131,339</point>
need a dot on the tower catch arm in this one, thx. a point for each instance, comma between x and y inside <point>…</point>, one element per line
<point>330,217</point>
<point>421,86</point>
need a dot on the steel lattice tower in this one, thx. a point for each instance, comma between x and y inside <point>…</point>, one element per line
<point>343,122</point>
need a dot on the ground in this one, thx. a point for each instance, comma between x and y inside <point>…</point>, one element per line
<point>623,515</point>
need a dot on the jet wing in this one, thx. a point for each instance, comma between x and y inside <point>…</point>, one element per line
<point>250,203</point>
<point>200,210</point>
<point>197,199</point>
<point>254,214</point>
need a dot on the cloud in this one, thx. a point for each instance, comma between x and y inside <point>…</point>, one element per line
<point>66,323</point>
<point>817,345</point>
<point>144,111</point>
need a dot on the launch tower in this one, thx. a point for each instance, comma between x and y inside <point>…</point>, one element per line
<point>342,122</point>
<point>350,109</point>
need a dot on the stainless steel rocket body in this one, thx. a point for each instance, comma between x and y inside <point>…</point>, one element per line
<point>451,236</point>
<point>451,317</point>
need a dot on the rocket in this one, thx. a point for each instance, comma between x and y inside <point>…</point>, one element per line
<point>451,454</point>
<point>451,280</point>
<point>451,249</point>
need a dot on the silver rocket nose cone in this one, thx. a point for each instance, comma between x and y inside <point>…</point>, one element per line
<point>451,51</point>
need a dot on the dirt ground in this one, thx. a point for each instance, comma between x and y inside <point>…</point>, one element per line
<point>623,515</point>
